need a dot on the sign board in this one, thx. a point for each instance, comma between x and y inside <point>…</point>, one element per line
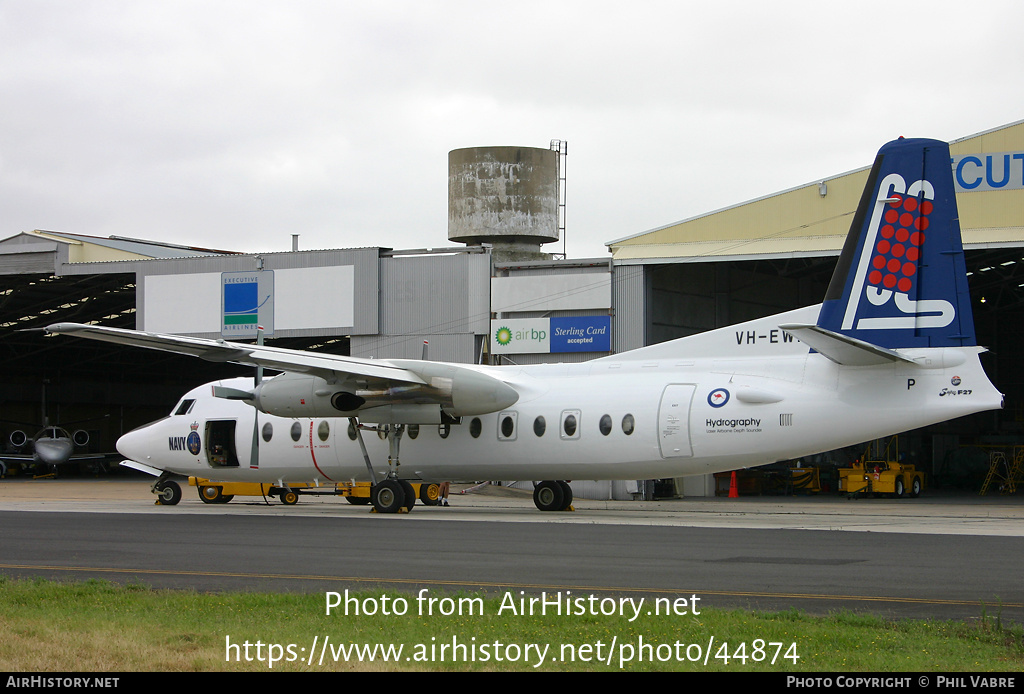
<point>551,335</point>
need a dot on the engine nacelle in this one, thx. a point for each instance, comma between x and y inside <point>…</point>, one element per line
<point>18,438</point>
<point>81,438</point>
<point>295,395</point>
<point>448,392</point>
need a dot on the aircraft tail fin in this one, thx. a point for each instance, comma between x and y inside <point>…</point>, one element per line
<point>901,280</point>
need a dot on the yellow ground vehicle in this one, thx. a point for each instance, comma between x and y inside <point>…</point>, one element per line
<point>879,472</point>
<point>355,493</point>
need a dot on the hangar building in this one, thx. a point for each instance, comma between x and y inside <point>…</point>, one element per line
<point>487,299</point>
<point>778,252</point>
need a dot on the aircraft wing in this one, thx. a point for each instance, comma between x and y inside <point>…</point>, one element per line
<point>328,366</point>
<point>459,389</point>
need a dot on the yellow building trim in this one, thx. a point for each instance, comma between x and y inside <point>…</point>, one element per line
<point>803,221</point>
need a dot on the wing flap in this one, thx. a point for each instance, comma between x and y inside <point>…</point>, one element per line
<point>327,366</point>
<point>458,389</point>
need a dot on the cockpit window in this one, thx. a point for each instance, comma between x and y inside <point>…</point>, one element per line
<point>185,407</point>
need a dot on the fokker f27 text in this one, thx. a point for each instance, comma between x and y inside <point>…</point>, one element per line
<point>891,348</point>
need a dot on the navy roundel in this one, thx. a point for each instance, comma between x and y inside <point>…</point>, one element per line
<point>718,397</point>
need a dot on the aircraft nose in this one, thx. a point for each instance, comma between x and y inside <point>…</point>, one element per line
<point>53,451</point>
<point>136,444</point>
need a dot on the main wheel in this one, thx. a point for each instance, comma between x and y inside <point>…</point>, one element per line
<point>168,493</point>
<point>410,494</point>
<point>387,496</point>
<point>566,495</point>
<point>548,496</point>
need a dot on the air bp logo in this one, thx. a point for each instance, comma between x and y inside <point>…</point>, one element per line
<point>193,442</point>
<point>718,397</point>
<point>503,336</point>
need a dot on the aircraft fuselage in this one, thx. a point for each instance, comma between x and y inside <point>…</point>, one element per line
<point>606,419</point>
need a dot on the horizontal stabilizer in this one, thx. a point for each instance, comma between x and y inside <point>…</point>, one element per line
<point>841,349</point>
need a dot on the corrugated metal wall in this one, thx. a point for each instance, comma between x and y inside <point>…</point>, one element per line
<point>363,260</point>
<point>628,302</point>
<point>444,299</point>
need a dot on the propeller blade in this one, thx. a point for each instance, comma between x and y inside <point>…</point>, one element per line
<point>232,393</point>
<point>254,452</point>
<point>259,341</point>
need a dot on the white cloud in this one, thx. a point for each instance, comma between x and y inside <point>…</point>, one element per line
<point>236,124</point>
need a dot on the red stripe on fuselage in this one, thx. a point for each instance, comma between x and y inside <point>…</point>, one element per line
<point>312,454</point>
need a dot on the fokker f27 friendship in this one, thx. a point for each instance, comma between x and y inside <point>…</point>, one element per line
<point>891,348</point>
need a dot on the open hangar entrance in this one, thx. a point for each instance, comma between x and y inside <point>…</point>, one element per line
<point>686,298</point>
<point>103,389</point>
<point>369,302</point>
<point>778,252</point>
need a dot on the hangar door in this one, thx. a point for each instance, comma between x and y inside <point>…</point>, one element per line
<point>674,421</point>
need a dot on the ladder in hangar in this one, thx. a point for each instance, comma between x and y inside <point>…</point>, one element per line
<point>1006,475</point>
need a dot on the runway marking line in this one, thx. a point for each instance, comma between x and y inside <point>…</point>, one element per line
<point>522,586</point>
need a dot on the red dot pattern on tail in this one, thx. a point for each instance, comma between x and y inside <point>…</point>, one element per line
<point>898,249</point>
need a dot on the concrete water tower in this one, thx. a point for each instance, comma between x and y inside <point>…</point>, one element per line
<point>504,196</point>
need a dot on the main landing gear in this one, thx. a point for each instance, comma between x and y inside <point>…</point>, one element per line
<point>390,495</point>
<point>553,495</point>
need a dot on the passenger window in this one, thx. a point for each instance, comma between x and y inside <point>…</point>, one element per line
<point>570,424</point>
<point>475,427</point>
<point>628,424</point>
<point>352,433</point>
<point>323,431</point>
<point>296,431</point>
<point>413,430</point>
<point>539,426</point>
<point>443,430</point>
<point>605,425</point>
<point>507,426</point>
<point>268,432</point>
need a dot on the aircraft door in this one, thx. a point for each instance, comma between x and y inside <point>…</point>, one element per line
<point>674,421</point>
<point>220,443</point>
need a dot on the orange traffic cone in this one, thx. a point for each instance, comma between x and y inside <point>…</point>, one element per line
<point>734,493</point>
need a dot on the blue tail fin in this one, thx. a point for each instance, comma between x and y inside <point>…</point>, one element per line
<point>901,280</point>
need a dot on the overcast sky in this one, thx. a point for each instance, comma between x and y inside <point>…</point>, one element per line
<point>236,124</point>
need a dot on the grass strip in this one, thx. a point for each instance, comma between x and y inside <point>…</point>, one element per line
<point>99,626</point>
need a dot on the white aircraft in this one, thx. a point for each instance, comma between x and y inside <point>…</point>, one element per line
<point>891,348</point>
<point>51,447</point>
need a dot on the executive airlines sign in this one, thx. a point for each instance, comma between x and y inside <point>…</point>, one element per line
<point>247,300</point>
<point>991,171</point>
<point>551,335</point>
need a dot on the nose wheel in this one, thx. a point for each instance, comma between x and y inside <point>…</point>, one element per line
<point>168,492</point>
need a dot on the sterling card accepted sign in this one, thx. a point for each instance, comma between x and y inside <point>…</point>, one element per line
<point>551,335</point>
